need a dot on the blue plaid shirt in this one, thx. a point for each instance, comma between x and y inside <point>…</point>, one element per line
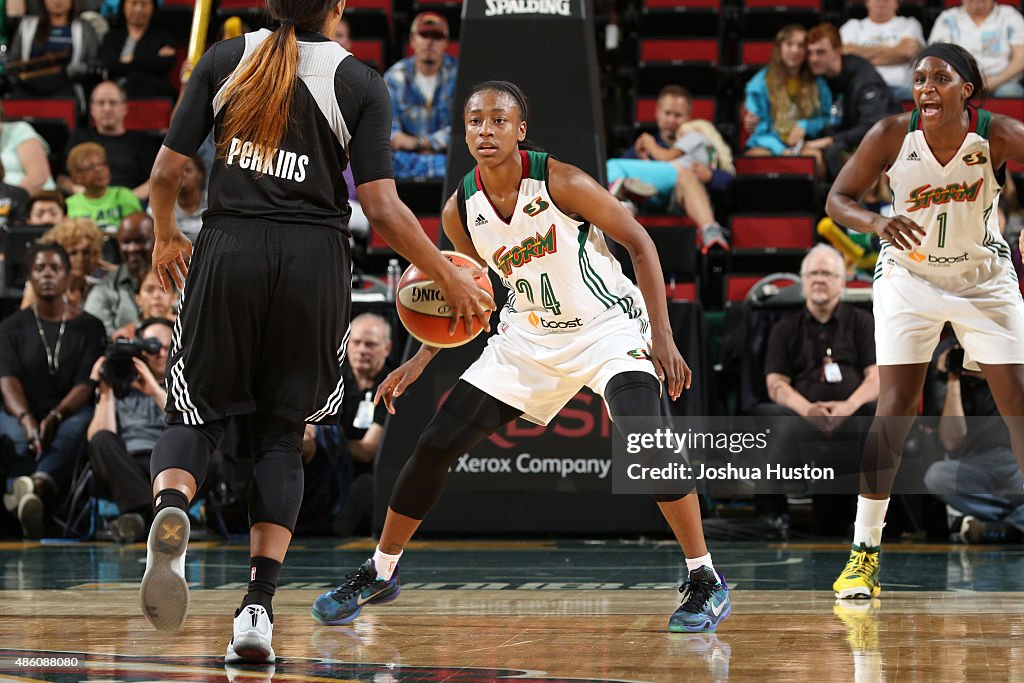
<point>411,114</point>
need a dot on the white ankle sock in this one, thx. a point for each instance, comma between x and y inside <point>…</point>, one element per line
<point>385,563</point>
<point>698,562</point>
<point>867,529</point>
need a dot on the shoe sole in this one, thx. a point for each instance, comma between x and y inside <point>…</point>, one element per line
<point>21,487</point>
<point>30,514</point>
<point>164,593</point>
<point>352,617</point>
<point>251,650</point>
<point>709,625</point>
<point>858,593</point>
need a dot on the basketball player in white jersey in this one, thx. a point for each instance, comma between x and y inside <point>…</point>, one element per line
<point>572,320</point>
<point>942,260</point>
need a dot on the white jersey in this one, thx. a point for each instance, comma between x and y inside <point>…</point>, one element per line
<point>953,203</point>
<point>559,271</point>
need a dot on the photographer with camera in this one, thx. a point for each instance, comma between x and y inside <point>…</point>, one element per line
<point>982,479</point>
<point>129,419</point>
<point>46,351</point>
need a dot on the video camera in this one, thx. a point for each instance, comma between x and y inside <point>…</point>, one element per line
<point>118,370</point>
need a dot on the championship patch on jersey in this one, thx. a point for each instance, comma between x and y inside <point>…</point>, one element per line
<point>975,158</point>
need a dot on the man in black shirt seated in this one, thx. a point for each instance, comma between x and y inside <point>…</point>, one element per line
<point>820,361</point>
<point>130,153</point>
<point>125,428</point>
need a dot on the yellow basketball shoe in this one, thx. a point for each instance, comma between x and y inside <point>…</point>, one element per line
<point>859,578</point>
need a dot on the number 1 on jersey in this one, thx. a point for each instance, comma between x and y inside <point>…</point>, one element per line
<point>942,230</point>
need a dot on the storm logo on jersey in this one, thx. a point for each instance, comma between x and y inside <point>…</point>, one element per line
<point>280,163</point>
<point>926,195</point>
<point>505,259</point>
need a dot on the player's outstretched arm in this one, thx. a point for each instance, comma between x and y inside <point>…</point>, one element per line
<point>576,193</point>
<point>875,152</point>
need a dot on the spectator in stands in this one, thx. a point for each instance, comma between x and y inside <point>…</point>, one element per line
<point>45,356</point>
<point>83,242</point>
<point>981,479</point>
<point>888,41</point>
<point>675,164</point>
<point>422,87</point>
<point>188,210</point>
<point>369,345</point>
<point>820,361</point>
<point>130,153</point>
<point>860,97</point>
<point>994,34</point>
<point>124,430</point>
<point>343,34</point>
<point>139,54</point>
<point>104,203</point>
<point>46,208</point>
<point>113,299</point>
<point>57,37</point>
<point>23,153</point>
<point>153,302</point>
<point>786,105</point>
<point>13,203</point>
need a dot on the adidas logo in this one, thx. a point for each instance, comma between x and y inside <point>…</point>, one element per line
<point>480,220</point>
<point>913,156</point>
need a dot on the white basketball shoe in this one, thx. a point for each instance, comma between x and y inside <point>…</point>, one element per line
<point>250,640</point>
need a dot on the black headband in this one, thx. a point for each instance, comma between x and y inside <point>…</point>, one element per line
<point>950,55</point>
<point>516,95</point>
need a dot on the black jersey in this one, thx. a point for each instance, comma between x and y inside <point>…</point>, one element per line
<point>341,112</point>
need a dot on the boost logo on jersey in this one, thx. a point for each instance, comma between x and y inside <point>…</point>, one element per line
<point>521,254</point>
<point>279,163</point>
<point>538,321</point>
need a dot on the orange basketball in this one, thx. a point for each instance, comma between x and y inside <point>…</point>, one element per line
<point>422,308</point>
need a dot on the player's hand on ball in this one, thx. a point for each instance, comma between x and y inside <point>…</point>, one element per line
<point>467,300</point>
<point>900,231</point>
<point>397,381</point>
<point>170,260</point>
<point>670,366</point>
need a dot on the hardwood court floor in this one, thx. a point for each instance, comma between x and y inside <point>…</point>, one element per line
<point>529,612</point>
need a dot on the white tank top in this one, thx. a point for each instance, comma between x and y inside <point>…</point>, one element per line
<point>559,271</point>
<point>953,203</point>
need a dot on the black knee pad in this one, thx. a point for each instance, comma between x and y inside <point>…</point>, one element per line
<point>467,417</point>
<point>277,471</point>
<point>186,447</point>
<point>634,401</point>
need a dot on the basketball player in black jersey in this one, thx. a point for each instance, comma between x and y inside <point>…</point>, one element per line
<point>265,304</point>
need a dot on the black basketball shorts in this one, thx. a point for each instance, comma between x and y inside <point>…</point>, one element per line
<point>263,324</point>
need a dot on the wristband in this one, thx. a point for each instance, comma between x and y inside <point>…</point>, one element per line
<point>56,413</point>
<point>22,415</point>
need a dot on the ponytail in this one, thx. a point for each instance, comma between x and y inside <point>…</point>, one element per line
<point>259,99</point>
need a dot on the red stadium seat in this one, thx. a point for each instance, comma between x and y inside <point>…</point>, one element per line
<point>675,50</point>
<point>29,108</point>
<point>756,53</point>
<point>431,226</point>
<point>148,114</point>
<point>672,4</point>
<point>775,166</point>
<point>370,52</point>
<point>682,291</point>
<point>662,220</point>
<point>645,108</point>
<point>783,4</point>
<point>738,286</point>
<point>1008,106</point>
<point>772,232</point>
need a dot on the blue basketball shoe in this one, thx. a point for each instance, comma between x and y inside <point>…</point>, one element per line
<point>705,603</point>
<point>361,587</point>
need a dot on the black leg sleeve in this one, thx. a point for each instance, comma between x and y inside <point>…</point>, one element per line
<point>467,417</point>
